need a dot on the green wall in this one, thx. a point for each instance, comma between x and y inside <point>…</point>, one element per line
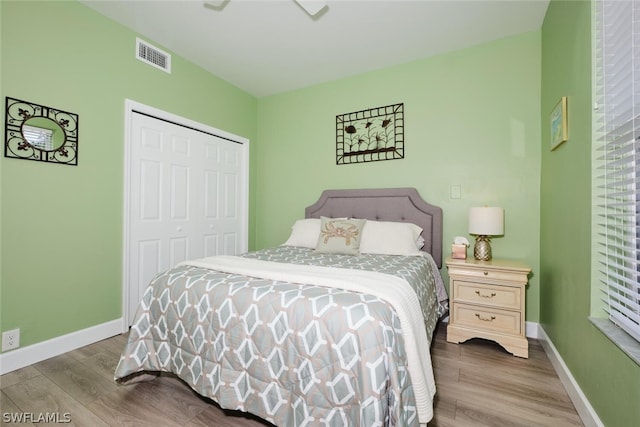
<point>472,118</point>
<point>62,226</point>
<point>609,379</point>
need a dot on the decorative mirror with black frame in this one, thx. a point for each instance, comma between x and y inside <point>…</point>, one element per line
<point>37,132</point>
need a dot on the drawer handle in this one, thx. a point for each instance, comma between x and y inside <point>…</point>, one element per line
<point>486,273</point>
<point>485,319</point>
<point>493,294</point>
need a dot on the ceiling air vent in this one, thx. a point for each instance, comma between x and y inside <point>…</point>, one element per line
<point>153,56</point>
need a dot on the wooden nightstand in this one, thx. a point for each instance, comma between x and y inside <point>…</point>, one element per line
<point>487,300</point>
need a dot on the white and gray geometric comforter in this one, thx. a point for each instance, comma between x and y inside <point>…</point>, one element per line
<point>294,354</point>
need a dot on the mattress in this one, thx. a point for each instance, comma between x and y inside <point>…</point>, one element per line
<point>291,349</point>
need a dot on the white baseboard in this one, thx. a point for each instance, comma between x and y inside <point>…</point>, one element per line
<point>585,410</point>
<point>25,356</point>
<point>531,330</point>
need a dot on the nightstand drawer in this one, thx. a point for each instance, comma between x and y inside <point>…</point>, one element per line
<point>487,274</point>
<point>487,319</point>
<point>480,293</point>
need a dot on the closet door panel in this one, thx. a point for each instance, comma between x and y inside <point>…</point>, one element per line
<point>183,201</point>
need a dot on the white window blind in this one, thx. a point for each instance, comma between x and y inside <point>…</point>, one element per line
<point>40,138</point>
<point>617,133</point>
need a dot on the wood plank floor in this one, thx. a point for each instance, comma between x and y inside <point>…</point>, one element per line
<point>478,383</point>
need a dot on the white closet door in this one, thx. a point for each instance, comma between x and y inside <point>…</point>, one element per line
<point>221,211</point>
<point>183,199</point>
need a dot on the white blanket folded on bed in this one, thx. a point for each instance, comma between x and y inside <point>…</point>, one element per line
<point>396,291</point>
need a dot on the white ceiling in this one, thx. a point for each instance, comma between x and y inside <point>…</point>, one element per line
<point>271,46</point>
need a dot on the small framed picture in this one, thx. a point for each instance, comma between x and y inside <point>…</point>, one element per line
<point>558,123</point>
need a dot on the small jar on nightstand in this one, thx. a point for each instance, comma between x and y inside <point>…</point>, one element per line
<point>487,300</point>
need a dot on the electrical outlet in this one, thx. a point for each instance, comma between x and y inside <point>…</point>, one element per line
<point>10,340</point>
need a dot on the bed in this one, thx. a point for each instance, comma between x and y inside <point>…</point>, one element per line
<point>333,327</point>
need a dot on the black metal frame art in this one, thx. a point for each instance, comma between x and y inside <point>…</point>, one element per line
<point>370,135</point>
<point>19,113</point>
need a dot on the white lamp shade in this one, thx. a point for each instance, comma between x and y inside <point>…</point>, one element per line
<point>487,221</point>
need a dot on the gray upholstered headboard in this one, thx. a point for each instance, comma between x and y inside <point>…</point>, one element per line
<point>385,204</point>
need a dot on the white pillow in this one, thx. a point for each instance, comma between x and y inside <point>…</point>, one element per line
<point>304,233</point>
<point>390,238</point>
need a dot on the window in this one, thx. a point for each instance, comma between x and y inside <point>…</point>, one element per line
<point>617,177</point>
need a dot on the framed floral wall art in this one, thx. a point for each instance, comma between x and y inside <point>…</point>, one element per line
<point>370,135</point>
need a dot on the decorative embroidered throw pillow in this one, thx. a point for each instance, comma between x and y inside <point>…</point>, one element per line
<point>340,236</point>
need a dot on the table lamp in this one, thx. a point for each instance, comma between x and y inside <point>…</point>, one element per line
<point>485,222</point>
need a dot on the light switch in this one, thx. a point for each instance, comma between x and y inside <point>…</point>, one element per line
<point>455,191</point>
